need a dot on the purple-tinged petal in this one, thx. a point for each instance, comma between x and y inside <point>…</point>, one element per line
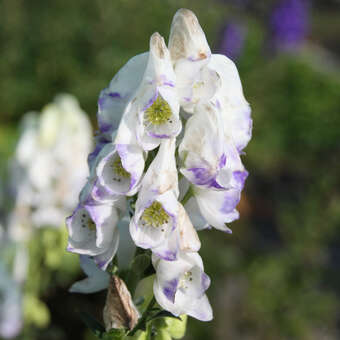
<point>170,288</point>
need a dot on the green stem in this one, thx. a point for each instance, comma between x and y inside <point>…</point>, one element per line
<point>187,195</point>
<point>143,318</point>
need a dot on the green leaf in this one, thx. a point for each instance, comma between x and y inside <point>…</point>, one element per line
<point>95,326</point>
<point>175,327</point>
<point>140,263</point>
<point>138,267</point>
<point>139,301</point>
<point>144,290</point>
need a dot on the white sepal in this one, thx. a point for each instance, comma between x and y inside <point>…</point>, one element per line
<point>96,280</point>
<point>114,99</point>
<point>234,107</point>
<point>180,286</point>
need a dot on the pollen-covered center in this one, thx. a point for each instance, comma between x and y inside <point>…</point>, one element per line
<point>159,112</point>
<point>185,278</point>
<point>87,222</point>
<point>155,215</point>
<point>118,168</point>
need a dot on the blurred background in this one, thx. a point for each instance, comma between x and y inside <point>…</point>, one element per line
<point>277,276</point>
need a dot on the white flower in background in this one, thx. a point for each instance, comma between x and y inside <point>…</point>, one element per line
<point>180,286</point>
<point>10,305</point>
<point>46,173</point>
<point>49,166</point>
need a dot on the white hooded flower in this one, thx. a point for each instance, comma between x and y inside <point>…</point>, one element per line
<point>120,170</point>
<point>49,167</point>
<point>180,286</point>
<point>208,77</point>
<point>230,99</point>
<point>98,279</point>
<point>155,105</point>
<point>156,214</point>
<point>208,155</point>
<point>190,53</point>
<point>213,208</point>
<point>93,192</point>
<point>93,231</point>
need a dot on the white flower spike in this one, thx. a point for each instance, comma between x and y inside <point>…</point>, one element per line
<point>138,153</point>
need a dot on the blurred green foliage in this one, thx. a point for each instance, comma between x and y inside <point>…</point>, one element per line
<point>77,47</point>
<point>276,277</point>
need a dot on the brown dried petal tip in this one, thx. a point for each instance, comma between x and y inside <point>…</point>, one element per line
<point>119,310</point>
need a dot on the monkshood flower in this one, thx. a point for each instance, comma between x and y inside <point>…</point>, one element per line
<point>120,171</point>
<point>155,219</point>
<point>215,78</point>
<point>97,279</point>
<point>156,106</point>
<point>133,195</point>
<point>230,99</point>
<point>120,167</point>
<point>213,208</point>
<point>93,230</point>
<point>211,160</point>
<point>190,52</point>
<point>180,286</point>
<point>289,23</point>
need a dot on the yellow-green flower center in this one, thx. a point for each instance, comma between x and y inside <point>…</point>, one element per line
<point>155,215</point>
<point>86,221</point>
<point>118,168</point>
<point>187,276</point>
<point>159,112</point>
<point>91,225</point>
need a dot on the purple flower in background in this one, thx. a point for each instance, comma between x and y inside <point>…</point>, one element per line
<point>232,42</point>
<point>289,23</point>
